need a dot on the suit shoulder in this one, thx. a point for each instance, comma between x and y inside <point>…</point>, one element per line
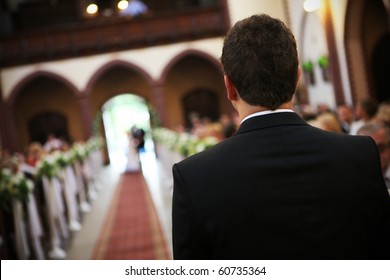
<point>206,156</point>
<point>358,140</point>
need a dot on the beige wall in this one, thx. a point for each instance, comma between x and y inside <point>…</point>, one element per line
<point>240,9</point>
<point>118,81</point>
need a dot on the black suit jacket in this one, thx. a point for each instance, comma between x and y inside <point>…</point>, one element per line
<point>282,189</point>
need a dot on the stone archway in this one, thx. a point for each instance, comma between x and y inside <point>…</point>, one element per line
<point>36,94</point>
<point>115,78</point>
<point>200,101</point>
<point>188,72</point>
<point>120,114</point>
<point>48,122</point>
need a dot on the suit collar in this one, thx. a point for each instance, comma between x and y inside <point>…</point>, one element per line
<point>266,112</point>
<point>276,119</point>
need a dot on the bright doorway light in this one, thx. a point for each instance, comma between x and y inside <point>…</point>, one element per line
<point>120,114</point>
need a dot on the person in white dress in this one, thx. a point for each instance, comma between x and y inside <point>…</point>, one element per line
<point>133,163</point>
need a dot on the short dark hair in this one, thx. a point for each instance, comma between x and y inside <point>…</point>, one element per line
<point>260,57</point>
<point>370,106</point>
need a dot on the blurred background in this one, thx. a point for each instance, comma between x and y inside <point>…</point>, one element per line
<point>63,62</point>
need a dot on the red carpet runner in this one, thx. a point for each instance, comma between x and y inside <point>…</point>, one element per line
<point>131,230</point>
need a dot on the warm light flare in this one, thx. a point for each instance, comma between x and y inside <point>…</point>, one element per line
<point>311,5</point>
<point>92,9</point>
<point>122,5</point>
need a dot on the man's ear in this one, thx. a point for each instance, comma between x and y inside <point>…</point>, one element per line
<point>232,94</point>
<point>298,76</point>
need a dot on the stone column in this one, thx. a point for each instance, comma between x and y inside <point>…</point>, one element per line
<point>86,118</point>
<point>159,101</point>
<point>12,141</point>
<point>3,139</point>
<point>333,56</point>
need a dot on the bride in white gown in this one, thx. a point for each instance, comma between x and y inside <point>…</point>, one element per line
<point>133,163</point>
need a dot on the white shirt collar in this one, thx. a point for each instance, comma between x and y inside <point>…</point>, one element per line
<point>267,112</point>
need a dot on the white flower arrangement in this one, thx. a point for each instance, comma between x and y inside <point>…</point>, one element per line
<point>80,151</point>
<point>204,144</point>
<point>14,186</point>
<point>186,144</point>
<point>64,159</point>
<point>94,143</point>
<point>48,166</point>
<point>166,137</point>
<point>183,143</point>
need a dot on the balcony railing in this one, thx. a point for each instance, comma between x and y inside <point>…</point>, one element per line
<point>111,35</point>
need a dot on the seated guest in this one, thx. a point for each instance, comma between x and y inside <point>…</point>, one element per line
<point>365,112</point>
<point>52,143</point>
<point>345,116</point>
<point>34,153</point>
<point>383,114</point>
<point>381,135</point>
<point>328,122</point>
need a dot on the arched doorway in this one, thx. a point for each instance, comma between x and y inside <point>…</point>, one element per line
<point>46,104</point>
<point>202,102</point>
<point>45,123</point>
<point>113,79</point>
<point>193,81</point>
<point>120,114</point>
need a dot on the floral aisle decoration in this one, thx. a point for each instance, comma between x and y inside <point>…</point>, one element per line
<point>165,136</point>
<point>49,165</point>
<point>205,144</point>
<point>64,159</point>
<point>49,171</point>
<point>183,143</point>
<point>16,197</point>
<point>94,143</point>
<point>14,185</point>
<point>15,190</point>
<point>80,151</point>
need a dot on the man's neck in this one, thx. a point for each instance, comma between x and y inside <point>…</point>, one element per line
<point>246,110</point>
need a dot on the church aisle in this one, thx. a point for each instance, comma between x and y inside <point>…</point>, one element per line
<point>157,197</point>
<point>131,229</point>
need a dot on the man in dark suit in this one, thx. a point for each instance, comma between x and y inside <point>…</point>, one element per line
<point>279,188</point>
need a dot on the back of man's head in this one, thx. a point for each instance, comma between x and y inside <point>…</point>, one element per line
<point>260,57</point>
